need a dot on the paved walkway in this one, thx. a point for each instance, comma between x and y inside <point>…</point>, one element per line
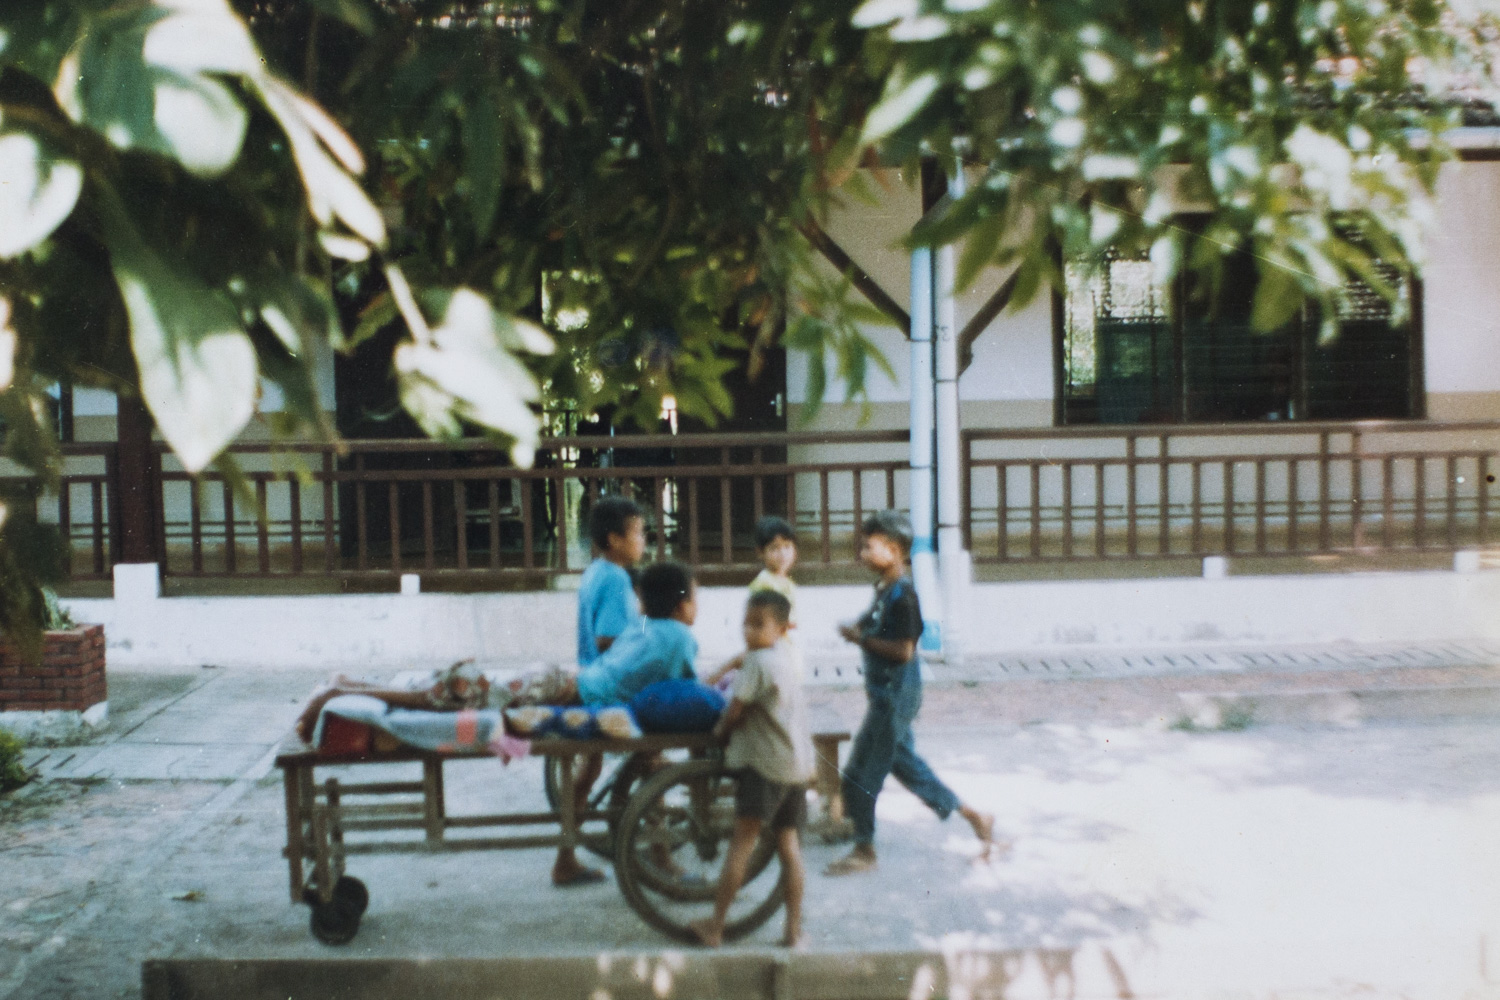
<point>1167,661</point>
<point>1275,862</point>
<point>215,724</point>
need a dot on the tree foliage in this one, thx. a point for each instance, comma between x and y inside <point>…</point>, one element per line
<point>603,204</point>
<point>633,178</point>
<point>1307,134</point>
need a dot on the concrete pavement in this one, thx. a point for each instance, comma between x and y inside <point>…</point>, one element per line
<point>1151,859</point>
<point>211,723</point>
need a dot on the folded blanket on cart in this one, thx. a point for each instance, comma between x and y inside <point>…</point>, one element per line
<point>573,722</point>
<point>506,733</point>
<point>446,732</point>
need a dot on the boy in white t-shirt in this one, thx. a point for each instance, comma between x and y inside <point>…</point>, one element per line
<point>770,746</point>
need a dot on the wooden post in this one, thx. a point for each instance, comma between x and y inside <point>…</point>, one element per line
<point>65,432</point>
<point>136,484</point>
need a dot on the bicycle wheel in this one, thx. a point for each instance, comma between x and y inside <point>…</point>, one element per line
<point>672,842</point>
<point>609,795</point>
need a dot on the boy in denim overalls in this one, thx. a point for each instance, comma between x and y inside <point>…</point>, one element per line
<point>887,636</point>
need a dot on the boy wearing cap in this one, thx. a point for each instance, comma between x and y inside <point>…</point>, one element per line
<point>887,636</point>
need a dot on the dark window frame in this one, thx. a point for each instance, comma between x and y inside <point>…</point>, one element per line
<point>1416,394</point>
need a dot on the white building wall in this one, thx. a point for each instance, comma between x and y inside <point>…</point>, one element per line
<point>1011,382</point>
<point>384,632</point>
<point>1461,295</point>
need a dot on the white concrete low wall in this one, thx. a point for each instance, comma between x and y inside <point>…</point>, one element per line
<point>1368,608</point>
<point>381,631</point>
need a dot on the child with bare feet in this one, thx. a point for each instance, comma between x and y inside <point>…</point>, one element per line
<point>770,747</point>
<point>607,608</point>
<point>887,636</point>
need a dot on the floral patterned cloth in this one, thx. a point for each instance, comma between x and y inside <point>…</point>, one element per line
<point>464,685</point>
<point>460,686</point>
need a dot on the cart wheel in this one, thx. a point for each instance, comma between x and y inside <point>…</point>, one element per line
<point>337,921</point>
<point>612,797</point>
<point>663,861</point>
<point>683,817</point>
<point>331,925</point>
<point>351,894</point>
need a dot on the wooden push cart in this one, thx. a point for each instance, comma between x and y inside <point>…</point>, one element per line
<point>666,827</point>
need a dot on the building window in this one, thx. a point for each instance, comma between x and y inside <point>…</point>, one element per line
<point>1136,352</point>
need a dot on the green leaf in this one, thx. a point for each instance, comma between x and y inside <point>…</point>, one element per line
<point>245,495</point>
<point>465,371</point>
<point>355,13</point>
<point>484,161</point>
<point>331,191</point>
<point>979,249</point>
<point>37,192</point>
<point>310,306</point>
<point>900,104</point>
<point>202,123</point>
<point>874,13</point>
<point>139,78</point>
<point>817,379</point>
<point>1278,297</point>
<point>197,366</point>
<point>302,410</point>
<point>200,36</point>
<point>379,314</point>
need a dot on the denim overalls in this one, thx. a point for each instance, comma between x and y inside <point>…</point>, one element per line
<point>884,743</point>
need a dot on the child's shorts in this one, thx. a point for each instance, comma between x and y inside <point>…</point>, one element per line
<point>781,807</point>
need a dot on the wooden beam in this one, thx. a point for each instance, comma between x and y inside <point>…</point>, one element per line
<point>982,319</point>
<point>860,278</point>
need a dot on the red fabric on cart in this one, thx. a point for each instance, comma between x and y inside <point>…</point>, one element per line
<point>344,736</point>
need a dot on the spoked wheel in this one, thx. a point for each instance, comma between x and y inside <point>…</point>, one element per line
<point>337,921</point>
<point>673,839</point>
<point>609,795</point>
<point>552,781</point>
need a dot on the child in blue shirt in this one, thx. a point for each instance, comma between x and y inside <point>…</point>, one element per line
<point>606,597</point>
<point>658,647</point>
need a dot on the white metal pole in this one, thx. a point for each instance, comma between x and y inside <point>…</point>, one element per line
<point>953,561</point>
<point>923,516</point>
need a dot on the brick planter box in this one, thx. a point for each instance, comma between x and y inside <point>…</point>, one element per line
<point>63,695</point>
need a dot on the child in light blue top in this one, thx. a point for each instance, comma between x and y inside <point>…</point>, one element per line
<point>658,647</point>
<point>607,604</point>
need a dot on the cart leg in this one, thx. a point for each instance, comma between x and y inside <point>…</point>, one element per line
<point>307,792</point>
<point>432,799</point>
<point>322,863</point>
<point>566,806</point>
<point>291,778</point>
<point>829,787</point>
<point>335,836</point>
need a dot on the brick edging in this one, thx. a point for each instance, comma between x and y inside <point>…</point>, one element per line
<point>70,676</point>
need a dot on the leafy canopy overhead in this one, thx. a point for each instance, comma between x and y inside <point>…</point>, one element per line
<point>1307,134</point>
<point>603,204</point>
